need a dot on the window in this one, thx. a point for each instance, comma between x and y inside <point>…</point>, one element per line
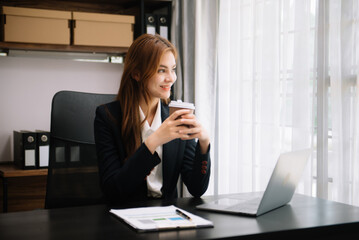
<point>287,75</point>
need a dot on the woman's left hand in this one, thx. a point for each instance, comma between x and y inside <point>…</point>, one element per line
<point>195,130</point>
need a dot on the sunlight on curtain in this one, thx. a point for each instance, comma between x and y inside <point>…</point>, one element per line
<point>205,71</point>
<point>343,154</point>
<point>265,89</point>
<point>271,76</point>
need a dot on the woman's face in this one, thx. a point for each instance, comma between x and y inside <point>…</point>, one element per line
<point>159,86</point>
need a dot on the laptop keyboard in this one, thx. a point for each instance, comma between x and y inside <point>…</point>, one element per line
<point>249,206</point>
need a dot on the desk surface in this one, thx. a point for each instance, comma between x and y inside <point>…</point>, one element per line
<point>304,217</point>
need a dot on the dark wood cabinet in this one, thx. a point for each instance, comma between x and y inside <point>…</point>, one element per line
<point>21,190</point>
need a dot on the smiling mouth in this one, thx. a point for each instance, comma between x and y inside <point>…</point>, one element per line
<point>167,88</point>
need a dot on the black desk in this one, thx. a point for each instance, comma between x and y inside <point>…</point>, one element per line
<point>305,217</point>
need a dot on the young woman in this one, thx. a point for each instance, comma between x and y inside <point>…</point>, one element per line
<point>141,149</point>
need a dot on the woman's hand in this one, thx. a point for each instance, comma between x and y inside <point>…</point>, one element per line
<point>170,129</point>
<point>194,130</point>
<point>181,124</point>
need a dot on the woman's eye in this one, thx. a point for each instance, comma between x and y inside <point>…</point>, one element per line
<point>161,70</point>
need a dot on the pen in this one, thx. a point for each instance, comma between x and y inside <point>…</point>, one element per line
<point>182,214</point>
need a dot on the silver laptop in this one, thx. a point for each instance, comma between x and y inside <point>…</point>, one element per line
<point>279,191</point>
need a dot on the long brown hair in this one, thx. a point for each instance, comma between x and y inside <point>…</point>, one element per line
<point>143,58</point>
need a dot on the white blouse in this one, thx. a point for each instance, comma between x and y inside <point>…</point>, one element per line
<point>154,180</point>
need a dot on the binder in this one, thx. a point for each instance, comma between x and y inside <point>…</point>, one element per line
<point>42,149</point>
<point>25,149</point>
<point>150,22</point>
<point>163,25</point>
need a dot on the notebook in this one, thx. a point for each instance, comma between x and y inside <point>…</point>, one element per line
<point>146,219</point>
<point>279,191</point>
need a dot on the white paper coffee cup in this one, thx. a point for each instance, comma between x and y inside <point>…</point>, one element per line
<point>177,105</point>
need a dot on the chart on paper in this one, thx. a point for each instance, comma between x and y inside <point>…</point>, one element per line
<point>157,218</point>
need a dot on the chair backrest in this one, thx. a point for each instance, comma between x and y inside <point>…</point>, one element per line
<point>73,173</point>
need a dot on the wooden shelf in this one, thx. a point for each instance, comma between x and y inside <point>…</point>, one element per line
<point>9,170</point>
<point>21,190</point>
<point>63,48</point>
<point>135,8</point>
<point>128,7</point>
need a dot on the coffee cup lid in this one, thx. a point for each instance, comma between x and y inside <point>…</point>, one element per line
<point>180,104</point>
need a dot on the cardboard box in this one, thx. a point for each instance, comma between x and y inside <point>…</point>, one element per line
<point>29,25</point>
<point>96,29</point>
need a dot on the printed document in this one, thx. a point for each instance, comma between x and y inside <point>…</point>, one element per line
<point>160,218</point>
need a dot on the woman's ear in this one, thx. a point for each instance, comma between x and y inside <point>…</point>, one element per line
<point>136,75</point>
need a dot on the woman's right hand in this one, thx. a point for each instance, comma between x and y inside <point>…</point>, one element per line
<point>169,130</point>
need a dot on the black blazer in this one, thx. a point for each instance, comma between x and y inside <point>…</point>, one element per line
<point>126,181</point>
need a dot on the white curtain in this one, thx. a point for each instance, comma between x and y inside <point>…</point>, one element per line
<point>258,67</point>
<point>265,89</point>
<point>343,147</point>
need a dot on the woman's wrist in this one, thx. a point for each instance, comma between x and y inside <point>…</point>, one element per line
<point>151,143</point>
<point>204,144</point>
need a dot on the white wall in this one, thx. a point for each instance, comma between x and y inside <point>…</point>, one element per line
<point>27,86</point>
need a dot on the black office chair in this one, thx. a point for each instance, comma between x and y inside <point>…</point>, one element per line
<point>73,174</point>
